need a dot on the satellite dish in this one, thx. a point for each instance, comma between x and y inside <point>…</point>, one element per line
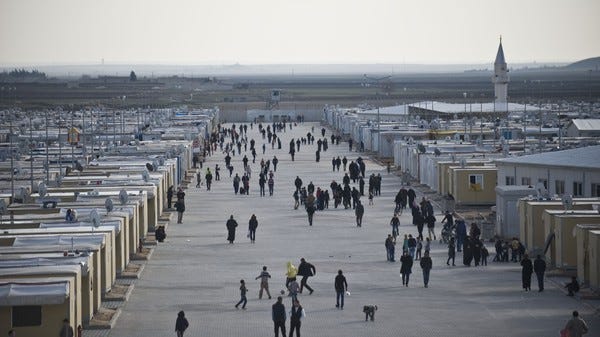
<point>541,190</point>
<point>505,150</point>
<point>463,163</point>
<point>42,190</point>
<point>108,204</point>
<point>421,148</point>
<point>437,152</point>
<point>58,179</point>
<point>155,165</point>
<point>78,167</point>
<point>161,160</point>
<point>145,175</point>
<point>596,208</point>
<point>95,218</point>
<point>76,194</point>
<point>567,201</point>
<point>123,197</point>
<point>448,138</point>
<point>149,167</point>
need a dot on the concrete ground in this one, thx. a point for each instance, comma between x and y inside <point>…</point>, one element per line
<point>197,271</point>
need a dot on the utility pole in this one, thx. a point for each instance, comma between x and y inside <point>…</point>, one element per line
<point>377,81</point>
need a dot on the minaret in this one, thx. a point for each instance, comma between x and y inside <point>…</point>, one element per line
<point>500,80</point>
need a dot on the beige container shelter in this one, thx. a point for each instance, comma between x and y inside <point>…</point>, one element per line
<point>90,276</point>
<point>65,244</point>
<point>549,218</point>
<point>594,249</point>
<point>37,273</point>
<point>444,171</point>
<point>139,204</point>
<point>122,251</point>
<point>127,216</point>
<point>114,227</point>
<point>474,185</point>
<point>565,240</point>
<point>105,273</point>
<point>531,218</point>
<point>37,307</point>
<point>583,251</point>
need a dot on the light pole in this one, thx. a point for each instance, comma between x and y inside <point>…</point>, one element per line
<point>465,116</point>
<point>377,81</point>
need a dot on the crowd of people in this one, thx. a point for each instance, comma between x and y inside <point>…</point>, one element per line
<point>346,194</point>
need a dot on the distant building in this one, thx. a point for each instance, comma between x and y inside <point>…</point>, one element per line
<point>500,80</point>
<point>584,128</point>
<point>575,172</point>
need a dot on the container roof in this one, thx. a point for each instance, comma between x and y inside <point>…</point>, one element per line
<point>584,157</point>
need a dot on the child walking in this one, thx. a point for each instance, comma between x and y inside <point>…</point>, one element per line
<point>243,299</point>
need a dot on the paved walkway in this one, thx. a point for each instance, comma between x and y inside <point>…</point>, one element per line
<point>197,271</point>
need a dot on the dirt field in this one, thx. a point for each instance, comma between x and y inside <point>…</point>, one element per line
<point>244,92</point>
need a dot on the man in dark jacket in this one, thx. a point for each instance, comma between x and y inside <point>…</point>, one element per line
<point>231,225</point>
<point>426,265</point>
<point>298,183</point>
<point>279,317</point>
<point>526,272</point>
<point>341,286</point>
<point>360,211</point>
<point>181,324</point>
<point>539,267</point>
<point>306,270</point>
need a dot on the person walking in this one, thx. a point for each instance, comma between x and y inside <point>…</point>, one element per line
<point>359,212</point>
<point>296,315</point>
<point>231,225</point>
<point>451,252</point>
<point>264,282</point>
<point>395,222</point>
<point>426,265</point>
<point>278,315</point>
<point>341,286</point>
<point>208,178</point>
<point>252,225</point>
<point>306,270</point>
<point>180,207</point>
<point>390,244</point>
<point>243,299</point>
<point>310,208</point>
<point>539,267</point>
<point>170,193</point>
<point>406,267</point>
<point>412,246</point>
<point>199,178</point>
<point>526,272</point>
<point>575,327</point>
<point>181,324</point>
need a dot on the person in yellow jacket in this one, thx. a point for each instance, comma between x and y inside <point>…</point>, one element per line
<point>291,273</point>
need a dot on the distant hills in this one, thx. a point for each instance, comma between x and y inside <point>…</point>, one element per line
<point>592,63</point>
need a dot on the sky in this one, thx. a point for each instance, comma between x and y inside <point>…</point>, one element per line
<point>217,32</point>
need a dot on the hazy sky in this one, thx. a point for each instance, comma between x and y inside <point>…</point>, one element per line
<point>296,31</point>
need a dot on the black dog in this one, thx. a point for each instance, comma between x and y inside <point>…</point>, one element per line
<point>369,311</point>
